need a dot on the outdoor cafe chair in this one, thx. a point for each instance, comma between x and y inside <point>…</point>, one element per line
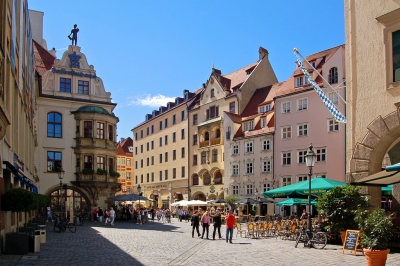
<point>239,230</point>
<point>251,230</point>
<point>260,229</point>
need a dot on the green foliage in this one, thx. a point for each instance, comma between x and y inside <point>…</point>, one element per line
<point>41,201</point>
<point>114,174</point>
<point>18,200</point>
<point>87,171</point>
<point>101,171</point>
<point>377,229</point>
<point>231,199</point>
<point>341,205</point>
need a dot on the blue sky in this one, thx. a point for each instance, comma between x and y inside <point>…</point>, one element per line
<point>148,52</point>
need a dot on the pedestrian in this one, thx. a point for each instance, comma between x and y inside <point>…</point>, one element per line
<point>100,215</point>
<point>106,217</point>
<point>180,213</point>
<point>217,224</point>
<point>162,216</point>
<point>95,210</point>
<point>139,216</point>
<point>112,216</point>
<point>168,215</point>
<point>205,223</point>
<point>152,214</point>
<point>304,215</point>
<point>230,223</point>
<point>49,215</point>
<point>195,223</point>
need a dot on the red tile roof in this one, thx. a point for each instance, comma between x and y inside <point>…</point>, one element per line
<point>123,146</point>
<point>43,59</point>
<point>240,75</point>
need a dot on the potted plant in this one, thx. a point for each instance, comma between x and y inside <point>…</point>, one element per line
<point>101,171</point>
<point>341,205</point>
<point>114,174</point>
<point>377,229</point>
<point>87,171</point>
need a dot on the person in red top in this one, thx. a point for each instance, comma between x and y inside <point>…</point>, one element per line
<point>230,224</point>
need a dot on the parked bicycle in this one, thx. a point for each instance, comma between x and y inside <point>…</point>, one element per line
<point>66,224</point>
<point>310,239</point>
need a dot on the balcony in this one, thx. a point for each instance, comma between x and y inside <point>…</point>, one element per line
<point>216,141</point>
<point>82,142</point>
<point>105,178</point>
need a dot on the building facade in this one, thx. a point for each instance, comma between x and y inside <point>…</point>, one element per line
<point>373,94</point>
<point>125,165</point>
<point>161,150</point>
<point>222,93</point>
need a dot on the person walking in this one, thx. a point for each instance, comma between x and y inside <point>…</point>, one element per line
<point>100,215</point>
<point>95,210</point>
<point>195,223</point>
<point>112,216</point>
<point>49,215</point>
<point>180,213</point>
<point>217,224</point>
<point>205,223</point>
<point>163,216</point>
<point>230,224</point>
<point>106,217</point>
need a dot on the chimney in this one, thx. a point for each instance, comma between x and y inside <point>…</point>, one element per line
<point>53,52</point>
<point>262,53</point>
<point>122,139</point>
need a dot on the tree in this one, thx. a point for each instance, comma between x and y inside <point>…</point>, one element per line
<point>230,200</point>
<point>18,200</point>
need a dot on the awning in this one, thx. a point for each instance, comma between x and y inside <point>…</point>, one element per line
<point>382,178</point>
<point>210,121</point>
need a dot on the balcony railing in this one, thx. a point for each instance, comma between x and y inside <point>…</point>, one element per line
<point>95,143</point>
<point>216,141</point>
<point>96,178</point>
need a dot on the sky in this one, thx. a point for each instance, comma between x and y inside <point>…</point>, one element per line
<point>148,52</point>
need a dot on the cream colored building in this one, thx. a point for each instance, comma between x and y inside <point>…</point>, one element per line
<point>160,150</point>
<point>222,93</point>
<point>373,90</point>
<point>125,165</point>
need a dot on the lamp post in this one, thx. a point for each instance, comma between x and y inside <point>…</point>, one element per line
<point>257,198</point>
<point>61,173</point>
<point>310,162</point>
<point>139,190</point>
<point>168,202</point>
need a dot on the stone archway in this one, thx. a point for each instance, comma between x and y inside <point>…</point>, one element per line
<point>368,154</point>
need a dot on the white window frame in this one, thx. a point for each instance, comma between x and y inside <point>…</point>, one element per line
<point>320,152</point>
<point>248,126</point>
<point>286,106</point>
<point>235,190</point>
<point>333,97</point>
<point>248,189</point>
<point>333,125</point>
<point>235,149</point>
<point>267,108</point>
<point>301,159</point>
<point>248,147</point>
<point>249,166</point>
<point>302,178</point>
<point>302,104</point>
<point>266,166</point>
<point>266,187</point>
<point>263,122</point>
<point>286,132</point>
<point>235,169</point>
<point>265,145</point>
<point>261,110</point>
<point>286,180</point>
<point>302,130</point>
<point>286,158</point>
<point>298,81</point>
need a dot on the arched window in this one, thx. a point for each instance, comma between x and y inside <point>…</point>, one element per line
<point>54,125</point>
<point>218,133</point>
<point>195,180</point>
<point>333,75</point>
<point>207,179</point>
<point>206,136</point>
<point>214,155</point>
<point>218,178</point>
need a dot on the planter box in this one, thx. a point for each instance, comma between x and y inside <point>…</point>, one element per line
<point>17,243</point>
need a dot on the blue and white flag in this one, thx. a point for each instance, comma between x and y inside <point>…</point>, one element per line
<point>331,107</point>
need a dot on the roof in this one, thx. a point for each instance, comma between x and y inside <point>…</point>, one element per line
<point>123,146</point>
<point>91,109</point>
<point>258,97</point>
<point>43,59</point>
<point>240,75</point>
<point>234,117</point>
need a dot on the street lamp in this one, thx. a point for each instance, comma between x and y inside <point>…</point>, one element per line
<point>61,173</point>
<point>168,201</point>
<point>310,162</point>
<point>139,189</point>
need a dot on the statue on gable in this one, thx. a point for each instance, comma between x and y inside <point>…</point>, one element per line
<point>74,33</point>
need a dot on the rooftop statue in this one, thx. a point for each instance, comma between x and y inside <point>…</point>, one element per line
<point>74,33</point>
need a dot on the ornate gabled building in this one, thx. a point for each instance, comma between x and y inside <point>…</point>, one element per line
<point>125,165</point>
<point>222,93</point>
<point>76,130</point>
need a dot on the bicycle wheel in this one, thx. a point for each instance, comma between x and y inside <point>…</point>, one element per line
<point>71,227</point>
<point>300,238</point>
<point>319,240</point>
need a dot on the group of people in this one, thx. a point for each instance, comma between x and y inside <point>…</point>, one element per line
<point>109,215</point>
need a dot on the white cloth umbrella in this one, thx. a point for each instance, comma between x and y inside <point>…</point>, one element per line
<point>180,203</point>
<point>197,203</point>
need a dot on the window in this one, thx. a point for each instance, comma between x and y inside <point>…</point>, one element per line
<point>286,132</point>
<point>141,178</point>
<point>136,179</point>
<point>302,156</point>
<point>136,136</point>
<point>195,180</point>
<point>128,176</point>
<point>54,125</point>
<point>303,178</point>
<point>147,146</point>
<point>83,87</point>
<point>141,134</point>
<point>152,160</point>
<point>286,181</point>
<point>100,130</point>
<point>212,93</point>
<point>141,148</point>
<point>160,125</point>
<point>264,122</point>
<point>206,136</point>
<point>212,112</point>
<point>87,127</point>
<point>152,129</point>
<point>166,175</point>
<point>183,152</point>
<point>235,149</point>
<point>65,85</point>
<point>160,175</point>
<point>265,145</point>
<point>148,178</point>
<point>195,119</point>
<point>302,130</point>
<point>299,81</point>
<point>174,137</point>
<point>174,155</point>
<point>195,159</point>
<point>128,162</point>
<point>286,108</point>
<point>203,157</point>
<point>235,190</point>
<point>160,158</point>
<point>53,161</point>
<point>110,132</point>
<point>152,144</point>
<point>207,179</point>
<point>247,126</point>
<point>321,154</point>
<point>166,140</point>
<point>215,155</point>
<point>267,108</point>
<point>166,123</point>
<point>136,150</point>
<point>161,142</point>
<point>141,163</point>
<point>173,173</point>
<point>333,97</point>
<point>195,139</point>
<point>152,177</point>
<point>249,168</point>
<point>148,161</point>
<point>261,109</point>
<point>88,162</point>
<point>302,104</point>
<point>232,107</point>
<point>333,75</point>
<point>136,164</point>
<point>266,166</point>
<point>249,189</point>
<point>396,55</point>
<point>333,125</point>
<point>266,187</point>
<point>174,119</point>
<point>182,133</point>
<point>235,169</point>
<point>286,158</point>
<point>166,157</point>
<point>183,171</point>
<point>248,147</point>
<point>182,115</point>
<point>100,162</point>
<point>147,131</point>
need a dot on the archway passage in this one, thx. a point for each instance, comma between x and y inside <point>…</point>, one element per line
<point>218,178</point>
<point>199,196</point>
<point>68,196</point>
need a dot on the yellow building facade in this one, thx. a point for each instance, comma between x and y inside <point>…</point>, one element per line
<point>125,165</point>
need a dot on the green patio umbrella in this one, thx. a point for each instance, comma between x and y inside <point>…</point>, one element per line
<point>295,201</point>
<point>387,191</point>
<point>319,185</point>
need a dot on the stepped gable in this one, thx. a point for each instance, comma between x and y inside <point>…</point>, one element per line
<point>43,59</point>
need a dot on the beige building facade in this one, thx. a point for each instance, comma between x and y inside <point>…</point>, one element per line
<point>373,90</point>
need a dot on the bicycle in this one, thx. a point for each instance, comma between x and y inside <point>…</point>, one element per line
<point>66,224</point>
<point>316,239</point>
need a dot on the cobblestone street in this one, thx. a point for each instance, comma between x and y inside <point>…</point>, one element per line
<point>172,244</point>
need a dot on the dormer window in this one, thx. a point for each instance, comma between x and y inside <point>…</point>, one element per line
<point>160,110</point>
<point>267,108</point>
<point>299,81</point>
<point>212,93</point>
<point>154,113</point>
<point>169,106</point>
<point>247,126</point>
<point>186,95</point>
<point>261,109</point>
<point>248,72</point>
<point>176,101</point>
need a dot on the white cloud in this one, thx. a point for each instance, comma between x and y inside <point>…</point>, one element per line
<point>152,101</point>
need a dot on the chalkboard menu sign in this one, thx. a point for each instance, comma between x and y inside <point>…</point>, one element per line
<point>351,241</point>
